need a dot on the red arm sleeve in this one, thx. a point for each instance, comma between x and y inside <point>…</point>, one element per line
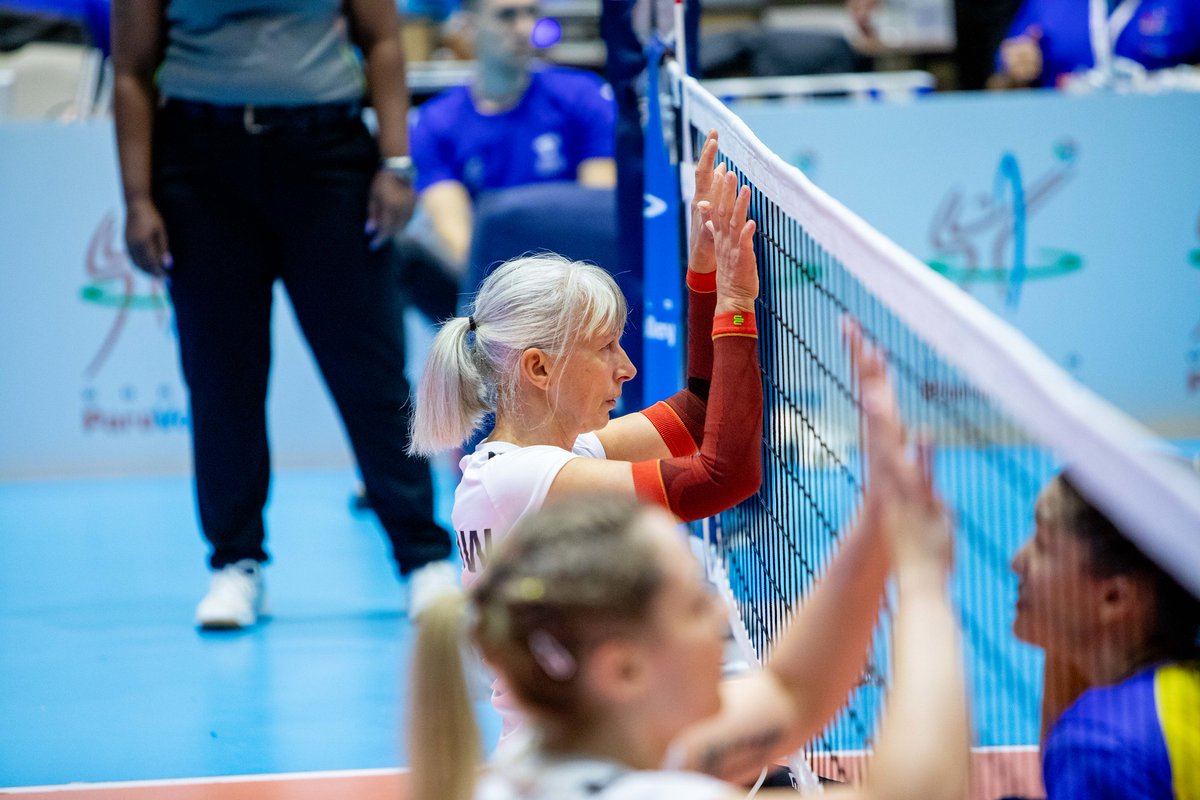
<point>680,418</point>
<point>728,467</point>
<point>702,304</point>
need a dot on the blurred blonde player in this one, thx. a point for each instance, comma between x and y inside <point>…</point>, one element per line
<point>595,613</point>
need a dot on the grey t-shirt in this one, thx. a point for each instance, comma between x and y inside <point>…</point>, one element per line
<point>259,52</point>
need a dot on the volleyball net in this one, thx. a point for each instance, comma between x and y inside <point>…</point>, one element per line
<point>1002,417</point>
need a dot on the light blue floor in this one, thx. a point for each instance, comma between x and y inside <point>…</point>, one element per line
<point>103,677</point>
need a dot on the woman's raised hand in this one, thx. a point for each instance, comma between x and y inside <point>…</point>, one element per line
<point>701,257</point>
<point>733,244</point>
<point>900,495</point>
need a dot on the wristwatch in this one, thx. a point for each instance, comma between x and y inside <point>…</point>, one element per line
<point>402,167</point>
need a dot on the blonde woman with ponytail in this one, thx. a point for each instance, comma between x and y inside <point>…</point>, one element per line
<point>596,615</point>
<point>541,351</point>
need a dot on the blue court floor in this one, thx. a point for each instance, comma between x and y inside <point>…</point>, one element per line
<point>104,678</point>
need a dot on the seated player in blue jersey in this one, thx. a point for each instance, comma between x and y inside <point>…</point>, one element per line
<point>518,122</point>
<point>1110,619</point>
<point>1051,39</point>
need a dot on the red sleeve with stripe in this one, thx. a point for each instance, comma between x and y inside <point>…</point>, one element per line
<point>728,467</point>
<point>680,418</point>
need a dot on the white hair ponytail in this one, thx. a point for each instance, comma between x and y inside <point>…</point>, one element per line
<point>540,300</point>
<point>452,396</point>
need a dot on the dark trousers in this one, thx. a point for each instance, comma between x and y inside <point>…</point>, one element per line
<point>289,202</point>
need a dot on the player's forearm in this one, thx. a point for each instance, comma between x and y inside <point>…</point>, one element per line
<point>702,306</point>
<point>689,406</point>
<point>821,657</point>
<point>728,467</point>
<point>924,743</point>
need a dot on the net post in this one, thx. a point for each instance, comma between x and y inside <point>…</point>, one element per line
<point>681,57</point>
<point>664,323</point>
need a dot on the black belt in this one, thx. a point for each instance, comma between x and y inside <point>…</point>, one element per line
<point>260,119</point>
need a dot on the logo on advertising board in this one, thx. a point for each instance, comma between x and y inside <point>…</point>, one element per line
<point>986,238</point>
<point>1194,256</point>
<point>120,405</point>
<point>1193,357</point>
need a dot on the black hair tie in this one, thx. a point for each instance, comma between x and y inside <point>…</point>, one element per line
<point>471,322</point>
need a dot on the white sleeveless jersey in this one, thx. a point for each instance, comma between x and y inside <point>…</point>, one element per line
<point>501,483</point>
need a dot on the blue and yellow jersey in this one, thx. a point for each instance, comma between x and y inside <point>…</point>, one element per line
<point>1137,740</point>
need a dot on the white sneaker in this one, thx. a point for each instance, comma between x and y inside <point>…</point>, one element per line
<point>426,584</point>
<point>235,598</point>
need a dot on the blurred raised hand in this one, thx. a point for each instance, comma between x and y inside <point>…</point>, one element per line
<point>900,494</point>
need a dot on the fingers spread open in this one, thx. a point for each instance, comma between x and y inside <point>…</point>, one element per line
<point>746,237</point>
<point>704,166</point>
<point>726,195</point>
<point>741,207</point>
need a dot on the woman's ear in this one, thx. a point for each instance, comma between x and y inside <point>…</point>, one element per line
<point>1125,600</point>
<point>616,672</point>
<point>535,366</point>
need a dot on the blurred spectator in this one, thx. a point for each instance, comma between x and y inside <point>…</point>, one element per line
<point>766,52</point>
<point>518,122</point>
<point>1051,39</point>
<point>979,27</point>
